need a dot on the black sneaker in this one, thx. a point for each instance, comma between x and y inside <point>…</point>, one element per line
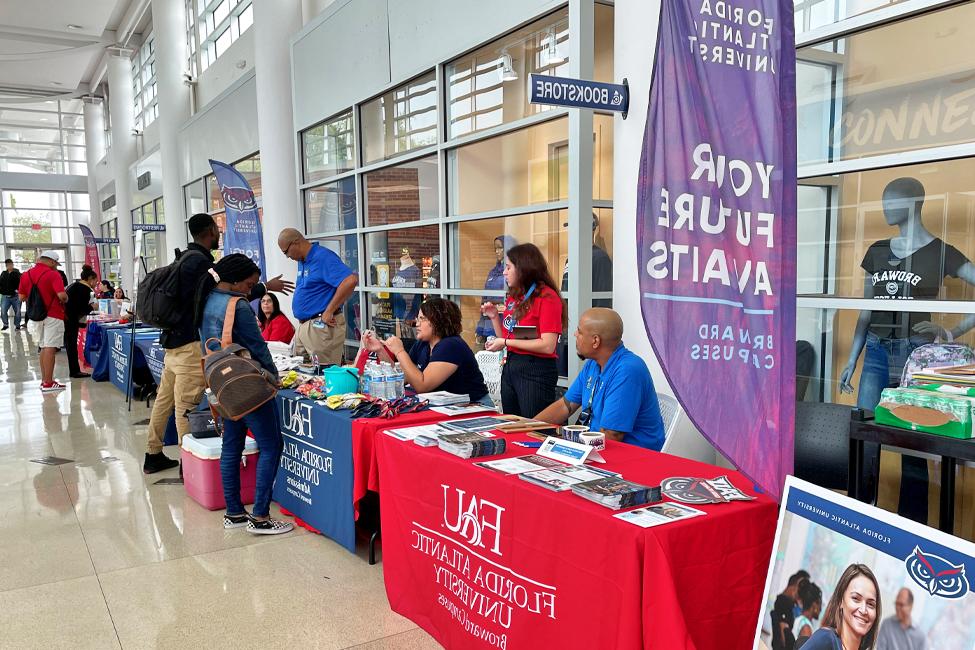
<point>236,521</point>
<point>157,463</point>
<point>4,328</point>
<point>269,527</point>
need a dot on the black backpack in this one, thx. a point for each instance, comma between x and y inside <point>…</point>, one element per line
<point>160,302</point>
<point>36,308</point>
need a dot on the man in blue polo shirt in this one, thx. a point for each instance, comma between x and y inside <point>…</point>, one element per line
<point>324,285</point>
<point>614,387</point>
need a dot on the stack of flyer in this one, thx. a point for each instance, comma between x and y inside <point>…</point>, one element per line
<point>472,444</point>
<point>444,398</point>
<point>476,425</point>
<point>562,478</point>
<point>614,492</point>
<point>519,464</point>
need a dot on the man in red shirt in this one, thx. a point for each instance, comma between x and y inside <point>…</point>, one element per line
<point>49,333</point>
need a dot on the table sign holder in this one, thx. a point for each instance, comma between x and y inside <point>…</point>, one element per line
<point>566,451</point>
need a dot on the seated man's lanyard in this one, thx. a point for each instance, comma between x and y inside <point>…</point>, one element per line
<point>510,323</point>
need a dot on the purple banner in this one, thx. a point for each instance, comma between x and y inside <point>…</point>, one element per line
<point>243,223</point>
<point>716,225</point>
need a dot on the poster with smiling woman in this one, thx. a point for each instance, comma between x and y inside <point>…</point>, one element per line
<point>847,576</point>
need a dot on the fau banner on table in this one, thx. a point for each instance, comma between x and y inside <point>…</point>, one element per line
<point>831,536</point>
<point>314,481</point>
<point>243,232</point>
<point>91,251</point>
<point>716,225</point>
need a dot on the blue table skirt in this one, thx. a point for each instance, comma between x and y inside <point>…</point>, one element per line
<point>314,480</point>
<point>107,352</point>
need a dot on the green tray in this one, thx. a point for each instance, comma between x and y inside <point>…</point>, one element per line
<point>961,430</point>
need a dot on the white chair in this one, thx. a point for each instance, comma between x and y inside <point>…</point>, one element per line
<point>681,437</point>
<point>490,365</point>
<point>670,411</point>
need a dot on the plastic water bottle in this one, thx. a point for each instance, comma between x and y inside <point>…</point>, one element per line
<point>366,379</point>
<point>389,387</point>
<point>399,380</point>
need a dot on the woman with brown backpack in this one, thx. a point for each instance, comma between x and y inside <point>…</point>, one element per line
<point>221,296</point>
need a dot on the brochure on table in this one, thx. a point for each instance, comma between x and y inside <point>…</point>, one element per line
<point>825,533</point>
<point>658,514</point>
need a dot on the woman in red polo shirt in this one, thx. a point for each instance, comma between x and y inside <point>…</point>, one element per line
<point>530,372</point>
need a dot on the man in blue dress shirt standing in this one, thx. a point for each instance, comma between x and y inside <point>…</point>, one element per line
<point>614,388</point>
<point>323,286</point>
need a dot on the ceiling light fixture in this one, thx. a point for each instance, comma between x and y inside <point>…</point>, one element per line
<point>507,67</point>
<point>73,26</point>
<point>551,56</point>
<point>56,83</point>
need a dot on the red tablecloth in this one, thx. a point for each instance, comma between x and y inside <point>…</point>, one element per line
<point>365,469</point>
<point>480,559</point>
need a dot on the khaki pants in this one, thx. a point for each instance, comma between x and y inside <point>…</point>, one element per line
<point>328,343</point>
<point>181,390</point>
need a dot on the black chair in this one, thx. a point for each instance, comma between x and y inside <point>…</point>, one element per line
<point>822,446</point>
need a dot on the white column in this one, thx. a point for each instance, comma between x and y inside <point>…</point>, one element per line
<point>123,155</point>
<point>169,27</point>
<point>580,172</point>
<point>94,150</point>
<point>274,25</point>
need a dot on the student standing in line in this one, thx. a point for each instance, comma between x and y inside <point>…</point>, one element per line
<point>9,298</point>
<point>48,333</point>
<point>234,277</point>
<point>530,372</point>
<point>77,308</point>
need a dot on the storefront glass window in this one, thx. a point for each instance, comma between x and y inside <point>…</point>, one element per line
<point>193,195</point>
<point>867,94</point>
<point>603,36</point>
<point>811,14</point>
<point>400,120</point>
<point>329,148</point>
<point>406,258</point>
<point>602,159</point>
<point>525,167</point>
<point>331,207</point>
<point>479,246</point>
<point>402,193</point>
<point>488,87</point>
<point>899,233</point>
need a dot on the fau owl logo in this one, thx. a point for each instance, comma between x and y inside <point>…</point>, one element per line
<point>475,519</point>
<point>936,575</point>
<point>238,198</point>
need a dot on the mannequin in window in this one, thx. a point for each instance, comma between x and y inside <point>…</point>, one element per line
<point>407,306</point>
<point>494,282</point>
<point>911,265</point>
<point>602,267</point>
<point>602,280</point>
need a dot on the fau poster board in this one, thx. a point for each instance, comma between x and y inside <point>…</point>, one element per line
<point>716,225</point>
<point>314,480</point>
<point>824,534</point>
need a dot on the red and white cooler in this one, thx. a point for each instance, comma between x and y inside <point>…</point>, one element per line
<point>201,471</point>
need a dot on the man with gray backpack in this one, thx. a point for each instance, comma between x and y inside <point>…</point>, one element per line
<point>165,300</point>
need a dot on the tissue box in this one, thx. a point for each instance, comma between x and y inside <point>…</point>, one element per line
<point>920,410</point>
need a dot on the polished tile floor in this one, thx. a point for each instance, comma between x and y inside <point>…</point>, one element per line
<point>94,555</point>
